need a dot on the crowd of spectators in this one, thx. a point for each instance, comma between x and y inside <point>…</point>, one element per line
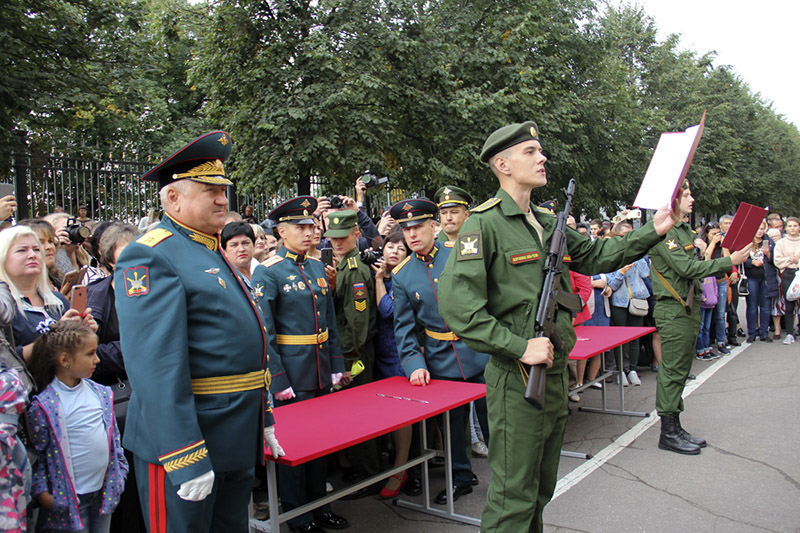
<point>44,258</point>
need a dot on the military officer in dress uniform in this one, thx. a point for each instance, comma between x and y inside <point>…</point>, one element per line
<point>489,293</point>
<point>307,360</point>
<point>453,203</point>
<point>678,320</point>
<point>199,416</point>
<point>443,355</point>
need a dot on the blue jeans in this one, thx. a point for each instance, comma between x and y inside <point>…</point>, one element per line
<point>720,326</point>
<point>758,311</point>
<point>703,342</point>
<point>89,507</point>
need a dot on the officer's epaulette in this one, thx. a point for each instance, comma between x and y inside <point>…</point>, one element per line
<point>396,269</point>
<point>352,264</point>
<point>313,259</point>
<point>449,244</point>
<point>275,259</point>
<point>154,236</point>
<point>491,202</point>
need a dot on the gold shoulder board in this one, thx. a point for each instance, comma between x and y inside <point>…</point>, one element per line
<point>352,264</point>
<point>491,202</point>
<point>275,259</point>
<point>154,236</point>
<point>396,269</point>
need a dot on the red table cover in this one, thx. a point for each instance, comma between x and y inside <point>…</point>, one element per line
<point>593,340</point>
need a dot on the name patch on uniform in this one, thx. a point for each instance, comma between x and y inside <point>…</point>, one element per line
<point>524,257</point>
<point>137,282</point>
<point>469,246</point>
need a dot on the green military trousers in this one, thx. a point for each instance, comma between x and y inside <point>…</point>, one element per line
<point>678,336</point>
<point>524,450</point>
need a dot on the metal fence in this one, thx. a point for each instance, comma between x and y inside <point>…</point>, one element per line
<point>113,189</point>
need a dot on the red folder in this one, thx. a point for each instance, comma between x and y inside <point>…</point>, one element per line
<point>743,229</point>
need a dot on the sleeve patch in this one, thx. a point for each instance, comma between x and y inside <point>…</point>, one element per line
<point>469,246</point>
<point>672,245</point>
<point>154,236</point>
<point>689,247</point>
<point>137,281</point>
<point>359,291</point>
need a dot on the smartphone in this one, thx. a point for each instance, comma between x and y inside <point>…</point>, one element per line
<point>327,256</point>
<point>6,189</point>
<point>77,298</point>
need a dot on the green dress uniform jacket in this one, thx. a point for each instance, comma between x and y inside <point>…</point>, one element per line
<point>294,292</point>
<point>185,315</point>
<point>356,313</point>
<point>416,306</point>
<point>488,294</point>
<point>674,260</point>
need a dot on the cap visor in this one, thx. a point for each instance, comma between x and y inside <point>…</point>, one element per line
<point>212,180</point>
<point>338,233</point>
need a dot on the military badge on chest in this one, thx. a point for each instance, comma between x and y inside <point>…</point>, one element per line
<point>323,285</point>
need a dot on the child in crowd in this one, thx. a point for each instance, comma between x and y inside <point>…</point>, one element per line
<point>81,469</point>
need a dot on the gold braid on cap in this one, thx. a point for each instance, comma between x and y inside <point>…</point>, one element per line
<point>209,168</point>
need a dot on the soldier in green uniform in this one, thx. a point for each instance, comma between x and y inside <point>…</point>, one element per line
<point>488,295</point>
<point>357,317</point>
<point>195,350</point>
<point>678,320</point>
<point>307,360</point>
<point>453,203</point>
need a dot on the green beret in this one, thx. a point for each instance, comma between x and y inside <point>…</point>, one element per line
<point>341,223</point>
<point>508,136</point>
<point>451,196</point>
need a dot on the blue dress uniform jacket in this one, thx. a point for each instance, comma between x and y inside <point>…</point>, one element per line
<point>185,314</point>
<point>293,290</point>
<point>415,283</point>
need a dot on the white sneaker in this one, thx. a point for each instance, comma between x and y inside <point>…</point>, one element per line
<point>633,377</point>
<point>789,339</point>
<point>479,449</point>
<point>624,379</point>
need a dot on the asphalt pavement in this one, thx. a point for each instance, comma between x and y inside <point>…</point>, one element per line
<point>747,405</point>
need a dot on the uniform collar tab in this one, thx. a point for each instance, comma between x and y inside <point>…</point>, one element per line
<point>209,241</point>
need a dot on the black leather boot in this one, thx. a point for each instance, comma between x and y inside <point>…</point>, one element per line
<point>672,439</point>
<point>699,441</point>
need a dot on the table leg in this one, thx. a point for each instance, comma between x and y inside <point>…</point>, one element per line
<point>621,410</point>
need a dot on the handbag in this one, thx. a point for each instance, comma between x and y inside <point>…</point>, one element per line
<point>744,287</point>
<point>710,293</point>
<point>793,292</point>
<point>636,306</point>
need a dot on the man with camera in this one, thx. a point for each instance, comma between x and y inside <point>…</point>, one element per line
<point>416,301</point>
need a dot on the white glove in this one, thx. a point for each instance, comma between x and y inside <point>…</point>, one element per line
<point>198,488</point>
<point>272,442</point>
<point>283,395</point>
<point>336,378</point>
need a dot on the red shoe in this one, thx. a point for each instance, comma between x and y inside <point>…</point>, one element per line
<point>387,494</point>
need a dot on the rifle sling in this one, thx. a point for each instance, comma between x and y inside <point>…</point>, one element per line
<point>687,305</point>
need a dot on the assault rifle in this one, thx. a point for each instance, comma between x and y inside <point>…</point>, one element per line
<point>551,297</point>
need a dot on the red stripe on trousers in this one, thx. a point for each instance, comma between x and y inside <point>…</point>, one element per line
<point>157,504</point>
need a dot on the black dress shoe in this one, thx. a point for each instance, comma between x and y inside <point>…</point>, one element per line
<point>331,521</point>
<point>691,376</point>
<point>413,486</point>
<point>474,480</point>
<point>363,493</point>
<point>458,491</point>
<point>308,527</point>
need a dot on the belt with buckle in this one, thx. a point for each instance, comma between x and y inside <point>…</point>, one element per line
<point>302,340</point>
<point>227,384</point>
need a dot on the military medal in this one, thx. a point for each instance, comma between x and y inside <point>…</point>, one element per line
<point>417,295</point>
<point>287,288</point>
<point>211,270</point>
<point>301,286</point>
<point>221,282</point>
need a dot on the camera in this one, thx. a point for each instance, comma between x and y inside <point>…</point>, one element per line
<point>371,180</point>
<point>77,231</point>
<point>369,257</point>
<point>336,201</point>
